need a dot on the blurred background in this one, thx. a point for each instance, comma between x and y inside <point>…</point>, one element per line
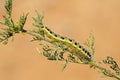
<point>19,59</point>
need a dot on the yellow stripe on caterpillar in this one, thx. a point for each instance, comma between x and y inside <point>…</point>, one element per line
<point>74,46</point>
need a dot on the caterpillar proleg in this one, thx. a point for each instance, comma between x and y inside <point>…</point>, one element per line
<point>74,46</point>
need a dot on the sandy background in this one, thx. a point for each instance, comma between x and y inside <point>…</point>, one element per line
<point>19,59</point>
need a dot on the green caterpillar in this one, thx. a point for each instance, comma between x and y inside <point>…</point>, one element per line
<point>74,46</point>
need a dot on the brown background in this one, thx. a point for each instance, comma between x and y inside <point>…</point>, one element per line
<point>19,59</point>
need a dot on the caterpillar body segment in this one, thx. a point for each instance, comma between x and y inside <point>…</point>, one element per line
<point>73,46</point>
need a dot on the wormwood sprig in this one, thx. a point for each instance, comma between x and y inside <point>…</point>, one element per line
<point>108,72</point>
<point>52,54</point>
<point>54,48</point>
<point>113,64</point>
<point>8,7</point>
<point>59,49</point>
<point>90,42</point>
<point>38,20</point>
<point>12,27</point>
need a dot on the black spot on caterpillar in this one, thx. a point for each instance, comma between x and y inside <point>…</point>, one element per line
<point>76,47</point>
<point>62,37</point>
<point>76,43</point>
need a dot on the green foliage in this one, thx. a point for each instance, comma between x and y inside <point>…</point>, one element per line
<point>54,50</point>
<point>90,42</point>
<point>38,20</point>
<point>8,7</point>
<point>113,64</point>
<point>51,54</point>
<point>12,27</point>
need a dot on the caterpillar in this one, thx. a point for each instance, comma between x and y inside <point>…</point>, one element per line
<point>74,46</point>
